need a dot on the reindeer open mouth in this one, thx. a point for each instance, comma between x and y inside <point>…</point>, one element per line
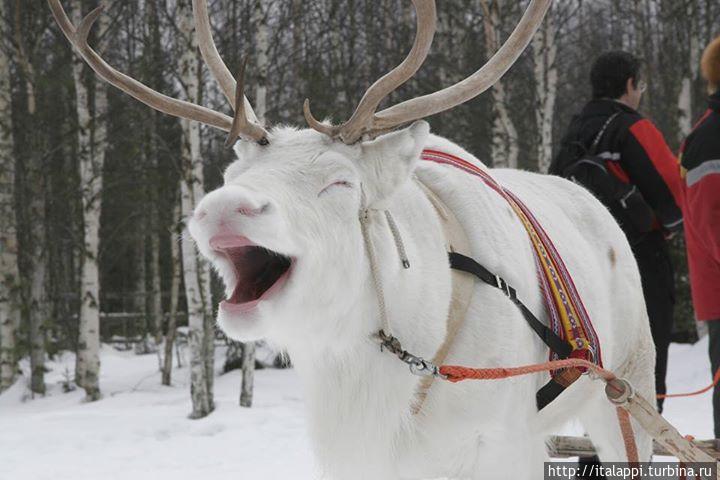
<point>259,272</point>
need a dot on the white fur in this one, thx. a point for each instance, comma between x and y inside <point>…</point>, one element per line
<point>358,398</point>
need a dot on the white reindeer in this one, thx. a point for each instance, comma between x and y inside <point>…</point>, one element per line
<point>283,232</point>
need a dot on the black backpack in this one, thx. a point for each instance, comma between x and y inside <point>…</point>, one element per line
<point>623,200</point>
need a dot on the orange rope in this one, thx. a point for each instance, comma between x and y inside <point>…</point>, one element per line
<point>456,373</point>
<point>716,379</point>
<point>628,436</point>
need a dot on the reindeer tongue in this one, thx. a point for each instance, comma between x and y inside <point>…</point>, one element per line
<point>257,269</point>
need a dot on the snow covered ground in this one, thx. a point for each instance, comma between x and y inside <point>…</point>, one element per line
<point>139,430</point>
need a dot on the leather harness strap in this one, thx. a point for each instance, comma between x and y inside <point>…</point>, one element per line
<point>464,270</point>
<point>567,314</point>
<point>462,287</point>
<point>550,338</point>
<point>560,380</point>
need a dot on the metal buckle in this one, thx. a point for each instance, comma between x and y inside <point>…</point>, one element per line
<point>502,285</point>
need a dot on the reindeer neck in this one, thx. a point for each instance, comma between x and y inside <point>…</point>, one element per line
<point>353,377</point>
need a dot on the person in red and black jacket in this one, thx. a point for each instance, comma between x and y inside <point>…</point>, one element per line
<point>635,152</point>
<point>700,160</point>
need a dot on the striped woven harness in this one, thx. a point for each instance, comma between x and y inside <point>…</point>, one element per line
<point>568,317</point>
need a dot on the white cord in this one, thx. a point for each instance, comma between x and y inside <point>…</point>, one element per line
<point>365,213</point>
<point>398,239</point>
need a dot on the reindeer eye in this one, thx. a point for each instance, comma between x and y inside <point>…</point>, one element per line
<point>339,183</point>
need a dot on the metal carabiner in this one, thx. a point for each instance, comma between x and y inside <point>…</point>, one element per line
<point>423,368</point>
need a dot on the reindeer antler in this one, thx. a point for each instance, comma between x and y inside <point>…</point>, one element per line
<point>247,126</point>
<point>217,67</point>
<point>366,122</point>
<point>362,118</point>
<point>242,125</point>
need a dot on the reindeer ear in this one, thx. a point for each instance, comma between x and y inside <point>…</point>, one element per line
<point>388,161</point>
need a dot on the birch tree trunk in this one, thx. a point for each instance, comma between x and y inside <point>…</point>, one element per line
<point>37,261</point>
<point>259,18</point>
<point>155,294</point>
<point>685,98</point>
<point>337,42</point>
<point>9,277</point>
<point>196,274</point>
<point>140,301</point>
<point>260,104</point>
<point>140,297</point>
<point>156,311</point>
<point>92,142</point>
<point>546,79</point>
<point>174,294</point>
<point>298,44</point>
<point>35,252</point>
<point>207,303</point>
<point>248,374</point>
<point>644,27</point>
<point>200,388</point>
<point>504,149</point>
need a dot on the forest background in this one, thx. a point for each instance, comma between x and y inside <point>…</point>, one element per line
<point>94,186</point>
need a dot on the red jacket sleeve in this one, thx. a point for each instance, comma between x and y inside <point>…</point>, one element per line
<point>655,170</point>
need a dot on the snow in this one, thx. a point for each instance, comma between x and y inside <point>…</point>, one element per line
<point>688,371</point>
<point>140,429</point>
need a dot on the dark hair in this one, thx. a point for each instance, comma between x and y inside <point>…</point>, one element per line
<point>610,73</point>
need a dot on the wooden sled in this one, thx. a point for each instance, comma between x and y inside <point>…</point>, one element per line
<point>667,440</point>
<point>561,446</point>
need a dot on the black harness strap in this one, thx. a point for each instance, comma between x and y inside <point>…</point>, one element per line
<point>550,338</point>
<point>554,387</point>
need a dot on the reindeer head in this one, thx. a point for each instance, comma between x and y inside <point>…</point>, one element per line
<point>283,230</point>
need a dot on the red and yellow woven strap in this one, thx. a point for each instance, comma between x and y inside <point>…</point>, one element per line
<point>568,317</point>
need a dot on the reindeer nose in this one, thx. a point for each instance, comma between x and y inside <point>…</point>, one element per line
<point>250,211</point>
<point>232,202</point>
<point>243,209</point>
